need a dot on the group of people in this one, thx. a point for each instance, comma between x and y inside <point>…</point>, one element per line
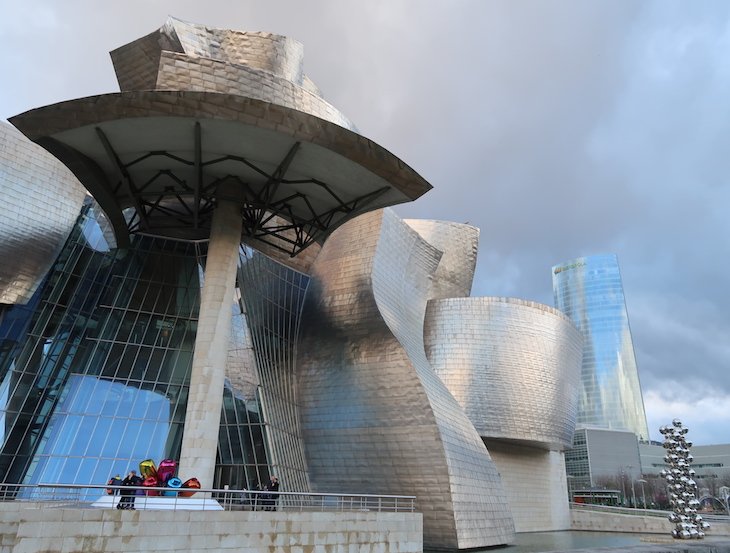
<point>264,497</point>
<point>127,492</point>
<point>268,500</point>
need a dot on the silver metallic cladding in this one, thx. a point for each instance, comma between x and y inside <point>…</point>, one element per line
<point>375,417</point>
<point>187,56</point>
<point>513,365</point>
<point>459,244</point>
<point>41,201</point>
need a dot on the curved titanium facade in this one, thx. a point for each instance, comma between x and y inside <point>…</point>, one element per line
<point>41,201</point>
<point>590,292</point>
<point>513,365</point>
<point>459,244</point>
<point>102,367</point>
<point>375,417</point>
<point>186,56</point>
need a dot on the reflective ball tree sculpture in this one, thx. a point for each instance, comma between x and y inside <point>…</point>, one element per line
<point>681,487</point>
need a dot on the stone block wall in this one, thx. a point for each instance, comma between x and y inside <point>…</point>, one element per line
<point>536,486</point>
<point>34,530</point>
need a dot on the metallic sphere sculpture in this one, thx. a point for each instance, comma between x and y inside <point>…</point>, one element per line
<point>681,487</point>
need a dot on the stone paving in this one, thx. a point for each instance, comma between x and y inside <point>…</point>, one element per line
<point>662,544</point>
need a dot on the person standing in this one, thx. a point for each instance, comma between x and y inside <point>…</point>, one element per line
<point>272,487</point>
<point>127,499</point>
<point>115,480</point>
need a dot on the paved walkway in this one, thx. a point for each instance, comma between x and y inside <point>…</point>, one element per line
<point>660,544</point>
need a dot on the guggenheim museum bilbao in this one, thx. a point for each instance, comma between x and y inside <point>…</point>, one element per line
<point>204,267</point>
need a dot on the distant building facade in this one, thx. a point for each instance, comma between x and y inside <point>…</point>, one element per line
<point>603,458</point>
<point>590,292</point>
<point>711,463</point>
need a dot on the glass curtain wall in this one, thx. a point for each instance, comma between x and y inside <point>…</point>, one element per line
<point>272,296</point>
<point>95,370</point>
<point>98,378</point>
<point>589,291</point>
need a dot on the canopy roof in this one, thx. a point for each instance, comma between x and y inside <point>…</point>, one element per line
<point>157,161</point>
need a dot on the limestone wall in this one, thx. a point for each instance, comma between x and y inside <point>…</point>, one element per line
<point>537,490</point>
<point>596,521</point>
<point>34,530</point>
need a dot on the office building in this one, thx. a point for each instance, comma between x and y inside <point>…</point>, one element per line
<point>590,292</point>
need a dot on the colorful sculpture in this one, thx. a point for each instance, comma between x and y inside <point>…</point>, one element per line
<point>163,476</point>
<point>147,468</point>
<point>173,483</point>
<point>166,470</point>
<point>191,485</point>
<point>150,482</point>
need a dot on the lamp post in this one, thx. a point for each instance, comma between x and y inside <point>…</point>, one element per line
<point>633,491</point>
<point>623,487</point>
<point>643,497</point>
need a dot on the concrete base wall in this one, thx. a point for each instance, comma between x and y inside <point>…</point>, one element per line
<point>536,486</point>
<point>34,530</point>
<point>594,521</point>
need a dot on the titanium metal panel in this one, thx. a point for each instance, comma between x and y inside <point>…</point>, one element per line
<point>375,416</point>
<point>513,365</point>
<point>186,56</point>
<point>41,201</point>
<point>459,244</point>
<point>590,292</point>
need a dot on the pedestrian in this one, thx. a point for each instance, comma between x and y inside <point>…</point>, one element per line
<point>115,480</point>
<point>270,498</point>
<point>127,499</point>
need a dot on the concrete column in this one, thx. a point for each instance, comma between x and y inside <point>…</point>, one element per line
<point>202,419</point>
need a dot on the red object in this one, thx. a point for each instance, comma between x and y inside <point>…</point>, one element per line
<point>190,486</point>
<point>166,470</point>
<point>151,482</point>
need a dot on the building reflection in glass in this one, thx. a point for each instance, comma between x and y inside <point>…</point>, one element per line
<point>95,368</point>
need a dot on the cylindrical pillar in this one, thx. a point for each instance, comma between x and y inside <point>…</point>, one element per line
<point>202,418</point>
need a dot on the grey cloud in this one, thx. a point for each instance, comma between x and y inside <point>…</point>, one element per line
<point>560,129</point>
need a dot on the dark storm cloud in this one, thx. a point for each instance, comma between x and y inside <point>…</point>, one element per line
<point>560,129</point>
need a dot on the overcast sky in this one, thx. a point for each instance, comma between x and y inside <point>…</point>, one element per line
<point>560,129</point>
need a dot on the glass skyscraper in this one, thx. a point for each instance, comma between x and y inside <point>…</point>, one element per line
<point>590,292</point>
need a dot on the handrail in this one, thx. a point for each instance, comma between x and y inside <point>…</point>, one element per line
<point>144,497</point>
<point>640,512</point>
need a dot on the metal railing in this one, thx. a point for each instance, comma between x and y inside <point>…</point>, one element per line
<point>148,498</point>
<point>710,517</point>
<point>618,510</point>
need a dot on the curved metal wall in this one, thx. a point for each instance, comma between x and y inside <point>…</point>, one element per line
<point>375,417</point>
<point>513,365</point>
<point>41,201</point>
<point>459,244</point>
<point>186,56</point>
